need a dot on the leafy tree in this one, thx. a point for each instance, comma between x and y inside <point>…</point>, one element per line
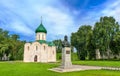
<point>115,44</point>
<point>11,45</point>
<point>105,37</point>
<point>58,44</point>
<point>80,40</point>
<point>103,34</point>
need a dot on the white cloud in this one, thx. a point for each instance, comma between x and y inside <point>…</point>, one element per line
<point>21,28</point>
<point>113,9</point>
<point>25,17</point>
<point>62,22</point>
<point>109,8</point>
<point>56,21</point>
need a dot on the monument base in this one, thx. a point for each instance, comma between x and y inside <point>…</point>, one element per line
<point>75,68</point>
<point>66,58</point>
<point>66,67</point>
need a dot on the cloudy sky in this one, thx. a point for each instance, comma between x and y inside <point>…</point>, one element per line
<point>60,17</point>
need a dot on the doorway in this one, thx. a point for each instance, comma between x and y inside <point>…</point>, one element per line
<point>35,58</point>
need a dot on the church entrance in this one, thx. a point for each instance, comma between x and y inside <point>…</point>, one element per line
<point>35,58</point>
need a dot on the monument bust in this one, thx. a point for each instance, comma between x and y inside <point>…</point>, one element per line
<point>65,43</point>
<point>66,54</point>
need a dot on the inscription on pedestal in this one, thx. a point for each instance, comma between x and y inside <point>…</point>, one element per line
<point>67,52</point>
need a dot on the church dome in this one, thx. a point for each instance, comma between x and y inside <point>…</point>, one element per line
<point>41,28</point>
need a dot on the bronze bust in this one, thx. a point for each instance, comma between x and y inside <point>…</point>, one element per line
<point>65,43</point>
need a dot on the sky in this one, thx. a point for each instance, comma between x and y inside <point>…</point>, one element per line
<point>59,17</point>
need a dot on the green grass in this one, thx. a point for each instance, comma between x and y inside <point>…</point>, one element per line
<point>99,63</point>
<point>41,69</point>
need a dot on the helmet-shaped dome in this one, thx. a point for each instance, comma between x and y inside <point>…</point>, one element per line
<point>41,28</point>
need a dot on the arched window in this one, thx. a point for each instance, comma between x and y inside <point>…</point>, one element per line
<point>44,47</point>
<point>53,52</point>
<point>28,48</point>
<point>42,36</point>
<point>39,37</point>
<point>36,47</point>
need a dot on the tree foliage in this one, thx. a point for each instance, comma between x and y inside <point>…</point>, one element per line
<point>104,36</point>
<point>58,44</point>
<point>80,40</point>
<point>11,46</point>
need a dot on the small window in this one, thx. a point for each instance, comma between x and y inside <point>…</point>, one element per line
<point>36,47</point>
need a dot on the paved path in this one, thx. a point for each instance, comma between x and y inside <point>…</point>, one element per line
<point>82,67</point>
<point>111,68</point>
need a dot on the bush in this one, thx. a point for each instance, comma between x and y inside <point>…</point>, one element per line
<point>59,56</point>
<point>74,57</point>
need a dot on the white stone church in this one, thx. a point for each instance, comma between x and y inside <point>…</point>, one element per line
<point>40,50</point>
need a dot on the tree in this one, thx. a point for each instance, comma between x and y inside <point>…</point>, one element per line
<point>80,40</point>
<point>4,47</point>
<point>74,42</point>
<point>10,45</point>
<point>103,34</point>
<point>115,44</point>
<point>15,37</point>
<point>58,44</point>
<point>104,38</point>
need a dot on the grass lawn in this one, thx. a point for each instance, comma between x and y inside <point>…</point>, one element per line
<point>41,69</point>
<point>99,63</point>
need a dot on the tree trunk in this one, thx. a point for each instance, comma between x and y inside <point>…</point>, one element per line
<point>78,53</point>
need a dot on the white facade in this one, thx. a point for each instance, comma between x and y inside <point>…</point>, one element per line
<point>39,52</point>
<point>36,52</point>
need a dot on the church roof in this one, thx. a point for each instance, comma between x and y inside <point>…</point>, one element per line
<point>49,43</point>
<point>41,28</point>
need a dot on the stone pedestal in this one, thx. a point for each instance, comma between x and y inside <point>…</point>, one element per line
<point>66,58</point>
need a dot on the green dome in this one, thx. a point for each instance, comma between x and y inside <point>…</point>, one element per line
<point>41,28</point>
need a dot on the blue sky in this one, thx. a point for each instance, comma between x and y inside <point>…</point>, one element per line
<point>60,17</point>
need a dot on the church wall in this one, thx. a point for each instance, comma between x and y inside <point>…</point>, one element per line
<point>51,54</point>
<point>43,52</point>
<point>35,51</point>
<point>27,48</point>
<point>54,53</point>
